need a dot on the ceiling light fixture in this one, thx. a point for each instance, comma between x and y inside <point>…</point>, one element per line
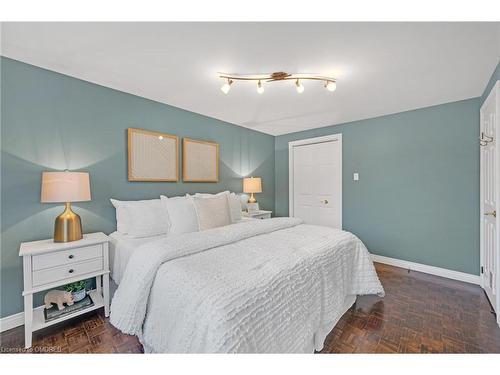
<point>300,87</point>
<point>260,88</point>
<point>331,86</point>
<point>227,86</point>
<point>330,82</point>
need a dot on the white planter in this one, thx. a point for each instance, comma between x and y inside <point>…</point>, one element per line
<point>78,296</point>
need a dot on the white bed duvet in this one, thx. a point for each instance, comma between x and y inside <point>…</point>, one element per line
<point>256,286</point>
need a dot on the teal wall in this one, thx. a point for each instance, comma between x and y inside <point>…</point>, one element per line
<point>51,121</point>
<point>418,194</point>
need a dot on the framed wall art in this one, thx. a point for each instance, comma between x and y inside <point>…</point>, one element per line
<point>152,156</point>
<point>200,161</point>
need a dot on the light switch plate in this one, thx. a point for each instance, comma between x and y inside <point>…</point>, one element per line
<point>355,176</point>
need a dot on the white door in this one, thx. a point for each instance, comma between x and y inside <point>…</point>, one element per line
<point>489,227</point>
<point>316,180</point>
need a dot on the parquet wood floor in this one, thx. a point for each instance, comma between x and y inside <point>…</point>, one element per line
<point>419,314</point>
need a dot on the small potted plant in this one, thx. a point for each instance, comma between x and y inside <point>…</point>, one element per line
<point>77,290</point>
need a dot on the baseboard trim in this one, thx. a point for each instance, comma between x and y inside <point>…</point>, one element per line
<point>13,321</point>
<point>437,271</point>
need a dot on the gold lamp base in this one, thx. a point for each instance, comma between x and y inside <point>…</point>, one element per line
<point>252,199</point>
<point>68,226</point>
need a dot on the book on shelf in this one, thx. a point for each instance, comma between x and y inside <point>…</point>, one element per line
<point>55,313</point>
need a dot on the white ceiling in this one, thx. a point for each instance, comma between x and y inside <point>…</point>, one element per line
<point>381,68</point>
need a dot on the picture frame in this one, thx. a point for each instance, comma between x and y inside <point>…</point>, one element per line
<point>200,161</point>
<point>152,156</point>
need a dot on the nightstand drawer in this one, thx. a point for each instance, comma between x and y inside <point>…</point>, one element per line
<point>64,257</point>
<point>262,216</point>
<point>50,275</point>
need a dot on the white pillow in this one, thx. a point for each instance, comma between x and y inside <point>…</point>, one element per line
<point>233,200</point>
<point>181,214</point>
<point>205,195</point>
<point>212,211</point>
<point>235,207</point>
<point>122,222</point>
<point>145,218</point>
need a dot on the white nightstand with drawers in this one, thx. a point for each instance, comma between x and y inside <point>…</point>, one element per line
<point>261,214</point>
<point>48,264</point>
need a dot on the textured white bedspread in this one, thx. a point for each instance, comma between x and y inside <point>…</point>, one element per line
<point>259,286</point>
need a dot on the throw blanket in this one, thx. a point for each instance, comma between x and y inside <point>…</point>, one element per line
<point>257,286</point>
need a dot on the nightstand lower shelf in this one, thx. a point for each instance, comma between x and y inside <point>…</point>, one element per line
<point>39,317</point>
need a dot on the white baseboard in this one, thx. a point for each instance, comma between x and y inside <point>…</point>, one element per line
<point>13,321</point>
<point>443,272</point>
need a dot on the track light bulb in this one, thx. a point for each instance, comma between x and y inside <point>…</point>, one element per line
<point>330,86</point>
<point>300,88</point>
<point>260,88</point>
<point>226,86</point>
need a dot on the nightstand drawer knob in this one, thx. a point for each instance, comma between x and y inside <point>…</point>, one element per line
<point>65,257</point>
<point>71,270</point>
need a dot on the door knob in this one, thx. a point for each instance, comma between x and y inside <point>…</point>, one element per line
<point>492,213</point>
<point>325,201</point>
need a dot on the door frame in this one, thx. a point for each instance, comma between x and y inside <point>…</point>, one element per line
<point>310,141</point>
<point>496,303</point>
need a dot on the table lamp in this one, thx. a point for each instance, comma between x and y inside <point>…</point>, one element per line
<point>252,185</point>
<point>66,187</point>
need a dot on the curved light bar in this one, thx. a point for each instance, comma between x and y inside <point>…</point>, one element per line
<point>330,82</point>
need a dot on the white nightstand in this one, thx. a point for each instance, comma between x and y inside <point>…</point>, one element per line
<point>261,214</point>
<point>47,265</point>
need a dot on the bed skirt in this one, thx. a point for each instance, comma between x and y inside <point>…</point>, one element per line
<point>317,341</point>
<point>320,335</point>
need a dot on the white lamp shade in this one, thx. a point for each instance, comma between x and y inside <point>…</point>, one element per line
<point>252,185</point>
<point>62,187</point>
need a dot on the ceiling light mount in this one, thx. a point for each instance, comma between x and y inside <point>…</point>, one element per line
<point>279,76</point>
<point>330,83</point>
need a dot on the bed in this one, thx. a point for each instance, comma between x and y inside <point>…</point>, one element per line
<point>122,247</point>
<point>256,286</point>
